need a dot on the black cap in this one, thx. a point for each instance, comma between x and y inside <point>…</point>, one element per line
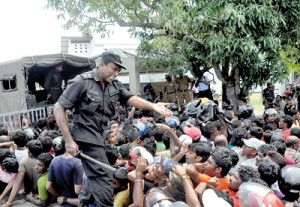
<point>109,57</point>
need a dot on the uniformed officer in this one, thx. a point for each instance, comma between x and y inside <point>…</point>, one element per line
<point>53,83</point>
<point>183,90</point>
<point>93,96</point>
<point>170,91</point>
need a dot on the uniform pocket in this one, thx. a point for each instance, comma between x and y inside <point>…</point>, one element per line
<point>91,102</point>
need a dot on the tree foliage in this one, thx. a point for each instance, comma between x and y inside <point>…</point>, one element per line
<point>247,42</point>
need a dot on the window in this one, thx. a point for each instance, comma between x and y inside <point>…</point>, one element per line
<point>9,82</point>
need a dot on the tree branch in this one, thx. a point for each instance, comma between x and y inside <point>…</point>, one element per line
<point>122,23</point>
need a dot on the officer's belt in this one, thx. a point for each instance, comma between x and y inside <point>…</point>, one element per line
<point>171,92</point>
<point>182,90</point>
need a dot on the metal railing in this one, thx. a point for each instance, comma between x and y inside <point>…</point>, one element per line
<point>13,120</point>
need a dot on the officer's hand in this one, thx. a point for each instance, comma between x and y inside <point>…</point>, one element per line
<point>160,108</point>
<point>48,96</point>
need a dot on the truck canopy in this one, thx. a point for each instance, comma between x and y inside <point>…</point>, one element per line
<point>22,79</point>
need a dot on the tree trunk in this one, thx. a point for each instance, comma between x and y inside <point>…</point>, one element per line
<point>231,93</point>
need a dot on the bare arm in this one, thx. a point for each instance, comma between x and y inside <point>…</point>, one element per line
<point>7,188</point>
<point>16,186</point>
<point>138,192</point>
<point>50,188</point>
<point>146,105</point>
<point>36,201</point>
<point>62,123</point>
<point>77,189</point>
<point>190,194</point>
<point>72,201</point>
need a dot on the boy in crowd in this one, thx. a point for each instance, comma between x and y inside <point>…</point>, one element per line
<point>43,163</point>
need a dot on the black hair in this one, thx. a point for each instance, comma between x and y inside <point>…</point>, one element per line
<point>234,157</point>
<point>277,137</point>
<point>124,150</point>
<point>221,156</point>
<point>59,148</point>
<point>257,132</point>
<point>259,181</point>
<point>269,171</point>
<point>5,153</point>
<point>267,137</point>
<point>201,149</point>
<point>46,142</point>
<point>295,131</point>
<point>107,134</point>
<point>149,145</point>
<point>111,153</point>
<point>246,173</point>
<point>3,131</point>
<point>268,126</point>
<point>20,138</point>
<point>259,122</point>
<point>293,112</point>
<point>280,147</point>
<point>288,120</point>
<point>109,124</point>
<point>42,123</point>
<point>35,147</point>
<point>277,158</point>
<point>132,134</point>
<point>10,165</point>
<point>237,135</point>
<point>45,158</point>
<point>52,133</point>
<point>265,148</point>
<point>121,137</point>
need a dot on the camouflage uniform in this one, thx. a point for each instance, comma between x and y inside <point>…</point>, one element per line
<point>183,92</point>
<point>170,92</point>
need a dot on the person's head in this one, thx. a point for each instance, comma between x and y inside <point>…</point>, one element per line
<point>149,145</point>
<point>3,131</point>
<point>219,163</point>
<point>59,67</point>
<point>277,158</point>
<point>292,142</point>
<point>237,136</point>
<point>263,150</point>
<point>20,138</point>
<point>289,182</point>
<point>110,137</point>
<point>109,67</point>
<point>168,78</point>
<point>113,125</point>
<point>278,98</point>
<point>5,153</point>
<point>243,174</point>
<point>280,147</point>
<point>124,150</point>
<point>256,132</point>
<point>295,131</point>
<point>269,171</point>
<point>285,122</point>
<point>250,148</point>
<point>58,145</point>
<point>198,153</point>
<point>277,137</point>
<point>10,165</point>
<point>270,115</point>
<point>35,148</point>
<point>221,141</point>
<point>112,153</point>
<point>46,142</point>
<point>43,162</point>
<point>295,114</point>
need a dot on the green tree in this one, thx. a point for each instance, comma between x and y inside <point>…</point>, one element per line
<point>247,42</point>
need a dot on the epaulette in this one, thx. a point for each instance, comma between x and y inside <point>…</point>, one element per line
<point>87,75</point>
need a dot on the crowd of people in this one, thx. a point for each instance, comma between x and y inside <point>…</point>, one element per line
<point>152,154</point>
